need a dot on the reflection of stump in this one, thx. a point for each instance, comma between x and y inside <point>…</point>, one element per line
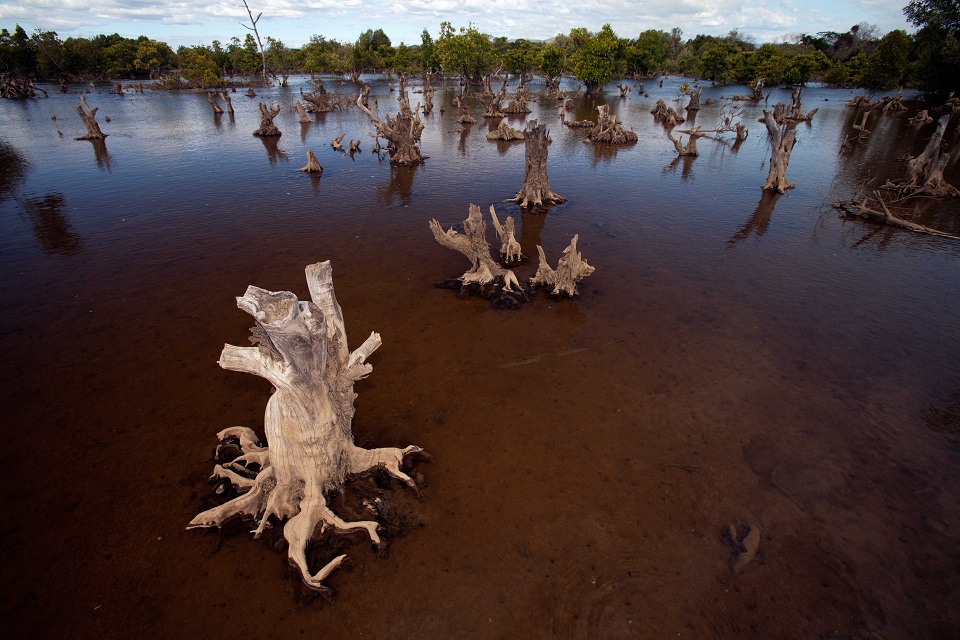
<point>301,348</point>
<point>313,165</point>
<point>571,269</point>
<point>782,140</point>
<point>536,185</point>
<point>267,128</point>
<point>88,116</point>
<point>473,244</point>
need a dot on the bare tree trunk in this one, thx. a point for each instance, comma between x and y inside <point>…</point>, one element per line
<point>473,244</point>
<point>493,103</point>
<point>227,101</point>
<point>253,22</point>
<point>756,94</point>
<point>313,165</point>
<point>609,129</point>
<point>509,247</point>
<point>782,140</point>
<point>212,99</point>
<point>571,269</point>
<point>304,117</point>
<point>925,172</point>
<point>336,142</point>
<point>882,214</point>
<point>267,128</point>
<point>691,147</point>
<point>88,116</point>
<point>302,350</point>
<point>694,104</point>
<point>536,185</point>
<point>402,132</point>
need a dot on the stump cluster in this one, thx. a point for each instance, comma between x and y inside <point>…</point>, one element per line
<point>925,172</point>
<point>610,129</point>
<point>665,114</point>
<point>473,244</point>
<point>571,269</point>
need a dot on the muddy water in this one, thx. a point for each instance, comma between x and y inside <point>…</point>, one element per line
<point>735,359</point>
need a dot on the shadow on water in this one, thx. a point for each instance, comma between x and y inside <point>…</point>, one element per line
<point>399,185</point>
<point>686,173</point>
<point>51,226</point>
<point>13,169</point>
<point>272,146</point>
<point>759,220</point>
<point>100,154</point>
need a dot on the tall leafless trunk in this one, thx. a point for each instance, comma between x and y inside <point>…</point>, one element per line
<point>782,139</point>
<point>253,22</point>
<point>536,185</point>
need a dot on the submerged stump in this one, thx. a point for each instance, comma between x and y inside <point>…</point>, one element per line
<point>782,140</point>
<point>571,269</point>
<point>535,191</point>
<point>89,117</point>
<point>313,165</point>
<point>402,131</point>
<point>610,129</point>
<point>473,244</point>
<point>267,128</point>
<point>301,348</point>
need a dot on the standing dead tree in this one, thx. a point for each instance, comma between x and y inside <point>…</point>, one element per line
<point>518,106</point>
<point>212,99</point>
<point>253,27</point>
<point>625,89</point>
<point>303,116</point>
<point>536,185</point>
<point>267,128</point>
<point>473,244</point>
<point>690,149</point>
<point>460,102</point>
<point>509,247</point>
<point>694,104</point>
<point>782,139</point>
<point>861,136</point>
<point>402,132</point>
<point>313,165</point>
<point>609,129</point>
<point>925,172</point>
<point>226,100</point>
<point>88,116</point>
<point>666,114</point>
<point>571,269</point>
<point>301,348</point>
<point>427,96</point>
<point>793,113</point>
<point>493,102</point>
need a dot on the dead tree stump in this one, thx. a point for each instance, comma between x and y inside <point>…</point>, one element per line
<point>925,172</point>
<point>473,244</point>
<point>303,116</point>
<point>227,101</point>
<point>610,129</point>
<point>782,139</point>
<point>536,185</point>
<point>402,132</point>
<point>212,99</point>
<point>571,269</point>
<point>666,114</point>
<point>694,104</point>
<point>690,149</point>
<point>313,165</point>
<point>509,247</point>
<point>301,348</point>
<point>518,106</point>
<point>505,132</point>
<point>336,142</point>
<point>267,128</point>
<point>88,116</point>
<point>493,102</point>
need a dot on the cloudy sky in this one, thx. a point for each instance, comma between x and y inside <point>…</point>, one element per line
<point>189,22</point>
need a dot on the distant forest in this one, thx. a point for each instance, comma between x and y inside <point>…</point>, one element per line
<point>858,57</point>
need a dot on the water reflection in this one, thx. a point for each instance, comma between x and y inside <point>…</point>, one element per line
<point>686,173</point>
<point>50,226</point>
<point>100,154</point>
<point>759,220</point>
<point>13,168</point>
<point>462,143</point>
<point>603,152</point>
<point>274,152</point>
<point>400,185</point>
<point>531,228</point>
<point>304,128</point>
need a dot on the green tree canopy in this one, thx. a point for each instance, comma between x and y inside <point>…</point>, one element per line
<point>597,57</point>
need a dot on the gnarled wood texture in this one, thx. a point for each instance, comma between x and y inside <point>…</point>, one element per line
<point>473,244</point>
<point>610,129</point>
<point>402,131</point>
<point>212,99</point>
<point>505,132</point>
<point>313,165</point>
<point>89,118</point>
<point>301,348</point>
<point>571,269</point>
<point>782,139</point>
<point>925,172</point>
<point>536,185</point>
<point>509,247</point>
<point>267,128</point>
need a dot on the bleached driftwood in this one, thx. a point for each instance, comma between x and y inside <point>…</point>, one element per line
<point>89,118</point>
<point>925,172</point>
<point>313,165</point>
<point>571,269</point>
<point>879,211</point>
<point>336,142</point>
<point>301,348</point>
<point>509,247</point>
<point>267,128</point>
<point>402,131</point>
<point>535,191</point>
<point>504,132</point>
<point>473,244</point>
<point>782,140</point>
<point>609,129</point>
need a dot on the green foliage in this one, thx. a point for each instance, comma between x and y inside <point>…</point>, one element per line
<point>154,57</point>
<point>403,60</point>
<point>279,58</point>
<point>466,52</point>
<point>429,61</point>
<point>372,51</point>
<point>936,63</point>
<point>551,61</point>
<point>198,67</point>
<point>937,14</point>
<point>596,58</point>
<point>887,65</point>
<point>648,53</point>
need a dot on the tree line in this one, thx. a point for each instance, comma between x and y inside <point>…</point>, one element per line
<point>860,56</point>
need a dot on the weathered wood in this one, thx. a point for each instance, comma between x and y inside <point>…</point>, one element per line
<point>336,142</point>
<point>694,104</point>
<point>227,101</point>
<point>922,117</point>
<point>925,172</point>
<point>354,146</point>
<point>402,132</point>
<point>609,129</point>
<point>313,165</point>
<point>509,247</point>
<point>493,102</point>
<point>536,185</point>
<point>625,89</point>
<point>267,128</point>
<point>303,116</point>
<point>666,114</point>
<point>473,244</point>
<point>505,132</point>
<point>301,349</point>
<point>782,140</point>
<point>881,213</point>
<point>571,269</point>
<point>88,116</point>
<point>212,99</point>
<point>518,106</point>
<point>690,149</point>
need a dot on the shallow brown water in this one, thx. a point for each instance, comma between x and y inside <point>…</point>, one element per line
<point>732,361</point>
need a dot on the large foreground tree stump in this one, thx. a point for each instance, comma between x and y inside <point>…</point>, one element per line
<point>609,129</point>
<point>925,172</point>
<point>267,128</point>
<point>402,132</point>
<point>302,350</point>
<point>782,139</point>
<point>536,185</point>
<point>571,269</point>
<point>473,244</point>
<point>88,116</point>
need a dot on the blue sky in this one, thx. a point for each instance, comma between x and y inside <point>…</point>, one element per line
<point>190,22</point>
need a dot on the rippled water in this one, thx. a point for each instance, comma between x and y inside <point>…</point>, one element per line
<point>735,359</point>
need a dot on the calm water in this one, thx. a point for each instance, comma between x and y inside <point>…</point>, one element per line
<point>735,359</point>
